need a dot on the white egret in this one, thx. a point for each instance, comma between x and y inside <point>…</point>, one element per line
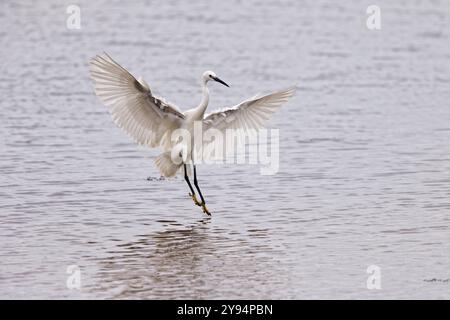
<point>150,120</point>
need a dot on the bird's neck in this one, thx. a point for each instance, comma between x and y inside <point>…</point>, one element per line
<point>200,110</point>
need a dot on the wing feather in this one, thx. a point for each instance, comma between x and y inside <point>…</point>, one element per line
<point>249,114</point>
<point>142,115</point>
<point>246,117</point>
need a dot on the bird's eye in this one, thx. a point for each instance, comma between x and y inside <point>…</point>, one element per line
<point>210,75</point>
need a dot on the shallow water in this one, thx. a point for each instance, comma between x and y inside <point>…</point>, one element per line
<point>364,153</point>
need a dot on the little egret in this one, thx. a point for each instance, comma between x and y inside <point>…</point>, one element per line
<point>150,120</point>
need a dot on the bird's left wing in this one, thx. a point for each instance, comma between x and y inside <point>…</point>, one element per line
<point>249,114</point>
<point>146,118</point>
<point>245,118</point>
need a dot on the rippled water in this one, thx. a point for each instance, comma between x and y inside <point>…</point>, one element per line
<point>364,153</point>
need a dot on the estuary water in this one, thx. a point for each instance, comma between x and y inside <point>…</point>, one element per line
<point>364,157</point>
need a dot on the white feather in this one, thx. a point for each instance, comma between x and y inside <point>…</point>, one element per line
<point>250,114</point>
<point>146,118</point>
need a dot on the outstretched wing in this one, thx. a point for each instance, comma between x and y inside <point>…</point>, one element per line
<point>249,114</point>
<point>245,118</point>
<point>146,118</point>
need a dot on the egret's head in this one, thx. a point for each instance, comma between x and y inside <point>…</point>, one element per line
<point>209,75</point>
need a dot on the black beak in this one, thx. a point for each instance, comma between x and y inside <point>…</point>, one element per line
<point>220,81</point>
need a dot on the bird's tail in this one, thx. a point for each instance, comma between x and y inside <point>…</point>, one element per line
<point>166,166</point>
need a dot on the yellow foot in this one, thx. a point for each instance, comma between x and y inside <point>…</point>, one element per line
<point>195,199</point>
<point>205,209</point>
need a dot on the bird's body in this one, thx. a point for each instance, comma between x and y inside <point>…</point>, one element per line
<point>151,121</point>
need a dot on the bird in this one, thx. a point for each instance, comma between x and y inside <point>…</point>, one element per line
<point>150,119</point>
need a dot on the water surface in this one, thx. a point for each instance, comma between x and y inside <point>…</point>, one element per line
<point>364,153</point>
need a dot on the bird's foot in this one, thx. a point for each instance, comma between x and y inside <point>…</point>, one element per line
<point>205,209</point>
<point>195,200</point>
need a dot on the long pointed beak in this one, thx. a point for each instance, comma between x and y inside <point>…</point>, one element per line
<point>220,81</point>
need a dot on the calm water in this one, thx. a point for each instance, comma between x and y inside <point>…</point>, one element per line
<point>364,173</point>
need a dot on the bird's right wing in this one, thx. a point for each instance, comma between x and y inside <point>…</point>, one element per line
<point>145,117</point>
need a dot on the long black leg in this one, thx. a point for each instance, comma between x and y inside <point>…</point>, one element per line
<point>194,198</point>
<point>187,180</point>
<point>203,204</point>
<point>196,185</point>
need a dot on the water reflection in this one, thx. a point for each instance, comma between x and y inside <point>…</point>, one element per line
<point>152,264</point>
<point>193,261</point>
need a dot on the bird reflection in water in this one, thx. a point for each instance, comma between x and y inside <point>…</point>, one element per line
<point>197,261</point>
<point>166,260</point>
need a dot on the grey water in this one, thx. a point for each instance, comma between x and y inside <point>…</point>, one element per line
<point>364,176</point>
